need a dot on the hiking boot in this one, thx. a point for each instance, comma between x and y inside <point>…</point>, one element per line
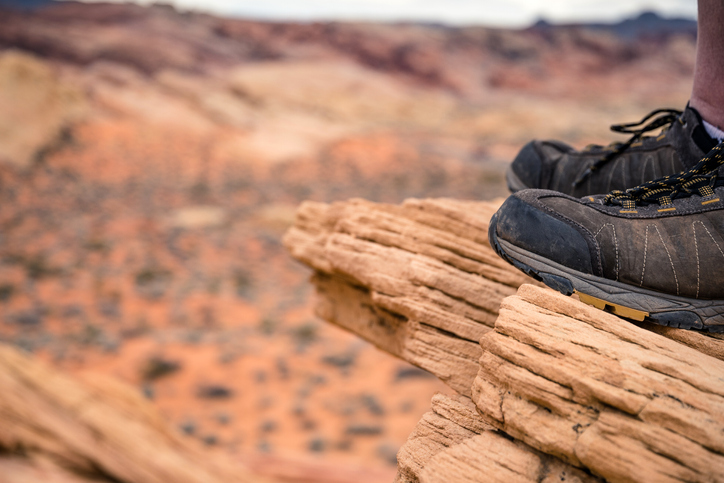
<point>654,252</point>
<point>597,169</point>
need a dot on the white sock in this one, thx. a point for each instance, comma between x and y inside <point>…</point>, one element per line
<point>714,131</point>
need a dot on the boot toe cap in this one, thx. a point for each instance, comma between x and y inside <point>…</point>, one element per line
<point>527,224</point>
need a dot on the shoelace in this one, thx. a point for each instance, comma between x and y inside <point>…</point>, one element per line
<point>700,179</point>
<point>669,116</point>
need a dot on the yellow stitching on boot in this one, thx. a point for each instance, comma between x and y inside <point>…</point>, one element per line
<point>666,209</point>
<point>693,225</point>
<point>696,247</point>
<point>710,201</point>
<point>676,279</point>
<point>615,242</point>
<point>646,249</point>
<point>711,236</point>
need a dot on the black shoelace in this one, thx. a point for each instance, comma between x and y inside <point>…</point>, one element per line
<point>669,116</point>
<point>700,179</point>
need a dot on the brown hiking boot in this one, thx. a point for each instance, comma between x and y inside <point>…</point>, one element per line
<point>597,169</point>
<point>654,252</point>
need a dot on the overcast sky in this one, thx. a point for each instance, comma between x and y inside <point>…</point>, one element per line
<point>487,12</point>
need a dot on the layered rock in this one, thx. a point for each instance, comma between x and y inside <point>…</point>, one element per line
<point>601,393</point>
<point>57,428</point>
<point>419,280</point>
<point>558,390</point>
<point>37,108</point>
<point>452,443</point>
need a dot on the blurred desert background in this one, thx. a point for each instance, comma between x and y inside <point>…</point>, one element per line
<point>151,160</point>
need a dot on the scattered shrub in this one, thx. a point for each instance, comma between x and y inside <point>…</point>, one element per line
<point>188,427</point>
<point>305,334</point>
<point>388,453</point>
<point>363,429</point>
<point>214,391</point>
<point>344,360</point>
<point>6,291</point>
<point>412,373</point>
<point>317,445</point>
<point>242,283</point>
<point>157,367</point>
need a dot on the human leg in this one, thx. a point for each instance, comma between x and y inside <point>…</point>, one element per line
<point>599,169</point>
<point>707,95</point>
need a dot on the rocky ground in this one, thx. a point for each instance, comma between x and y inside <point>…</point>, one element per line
<point>548,388</point>
<point>151,160</point>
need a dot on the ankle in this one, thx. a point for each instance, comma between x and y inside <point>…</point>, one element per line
<point>711,113</point>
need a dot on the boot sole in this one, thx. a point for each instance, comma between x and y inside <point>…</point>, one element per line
<point>627,301</point>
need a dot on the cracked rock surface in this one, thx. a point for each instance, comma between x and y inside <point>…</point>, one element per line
<point>418,280</point>
<point>549,389</point>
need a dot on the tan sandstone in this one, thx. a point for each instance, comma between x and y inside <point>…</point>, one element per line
<point>550,389</point>
<point>60,429</point>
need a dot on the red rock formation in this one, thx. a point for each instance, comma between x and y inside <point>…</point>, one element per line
<point>157,38</point>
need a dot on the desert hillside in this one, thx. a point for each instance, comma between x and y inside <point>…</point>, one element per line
<point>150,161</point>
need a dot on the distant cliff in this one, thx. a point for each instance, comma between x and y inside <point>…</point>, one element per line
<point>25,4</point>
<point>157,37</point>
<point>645,25</point>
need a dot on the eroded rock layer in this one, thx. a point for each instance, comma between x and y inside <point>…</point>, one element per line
<point>418,280</point>
<point>601,393</point>
<point>452,443</point>
<point>562,391</point>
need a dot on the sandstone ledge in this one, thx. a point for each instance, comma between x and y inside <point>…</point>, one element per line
<point>601,393</point>
<point>550,388</point>
<point>452,443</point>
<point>419,280</point>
